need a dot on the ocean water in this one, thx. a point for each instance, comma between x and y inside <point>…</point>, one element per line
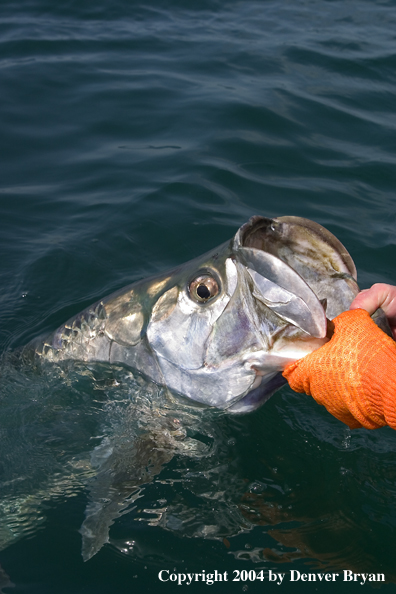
<point>133,137</point>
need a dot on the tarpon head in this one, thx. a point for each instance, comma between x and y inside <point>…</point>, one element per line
<point>221,328</point>
<point>224,326</point>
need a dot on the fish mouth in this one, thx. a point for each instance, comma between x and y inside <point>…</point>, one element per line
<point>300,270</point>
<point>289,234</point>
<point>276,284</point>
<point>300,277</point>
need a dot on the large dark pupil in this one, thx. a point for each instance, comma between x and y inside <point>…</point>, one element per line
<point>203,292</point>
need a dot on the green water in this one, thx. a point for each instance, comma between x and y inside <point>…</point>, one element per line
<point>134,137</point>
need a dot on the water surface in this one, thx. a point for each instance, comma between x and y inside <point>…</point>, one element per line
<point>134,137</point>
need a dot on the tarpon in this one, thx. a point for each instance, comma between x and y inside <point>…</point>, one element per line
<point>215,332</point>
<point>220,329</point>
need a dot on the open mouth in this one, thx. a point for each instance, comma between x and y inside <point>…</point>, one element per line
<point>299,268</point>
<point>304,275</point>
<point>276,284</point>
<point>285,237</point>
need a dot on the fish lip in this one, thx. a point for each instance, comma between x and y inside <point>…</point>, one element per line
<point>253,224</point>
<point>257,381</point>
<point>262,363</point>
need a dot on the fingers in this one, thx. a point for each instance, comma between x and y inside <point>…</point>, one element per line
<point>371,299</point>
<point>379,295</point>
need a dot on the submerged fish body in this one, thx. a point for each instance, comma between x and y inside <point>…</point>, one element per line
<point>220,329</point>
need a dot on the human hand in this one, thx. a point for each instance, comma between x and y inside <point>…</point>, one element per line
<point>353,374</point>
<point>379,295</point>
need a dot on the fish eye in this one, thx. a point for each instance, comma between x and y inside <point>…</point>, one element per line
<point>203,288</point>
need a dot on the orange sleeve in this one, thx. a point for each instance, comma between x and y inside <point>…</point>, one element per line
<point>353,375</point>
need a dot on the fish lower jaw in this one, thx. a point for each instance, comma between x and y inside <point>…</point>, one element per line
<point>267,384</point>
<point>266,362</point>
